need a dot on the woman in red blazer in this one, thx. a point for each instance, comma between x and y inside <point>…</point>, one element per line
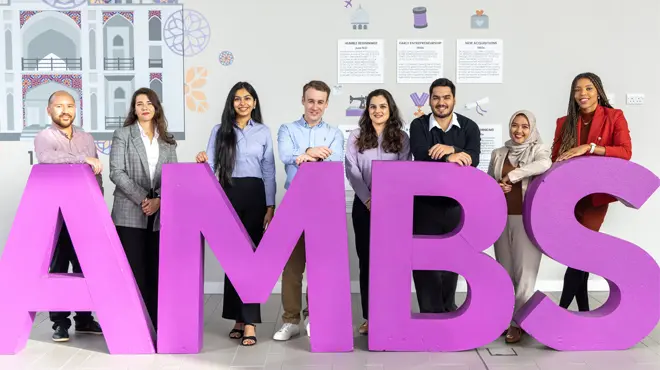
<point>591,127</point>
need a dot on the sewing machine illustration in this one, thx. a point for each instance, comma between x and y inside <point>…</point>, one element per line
<point>353,110</point>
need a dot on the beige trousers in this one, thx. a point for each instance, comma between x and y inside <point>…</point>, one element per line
<point>519,257</point>
<point>292,278</point>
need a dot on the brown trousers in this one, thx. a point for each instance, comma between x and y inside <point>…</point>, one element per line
<point>292,285</point>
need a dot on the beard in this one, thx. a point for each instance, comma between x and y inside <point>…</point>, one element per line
<point>449,111</point>
<point>59,120</point>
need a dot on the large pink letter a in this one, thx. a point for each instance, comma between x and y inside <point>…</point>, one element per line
<point>71,192</point>
<point>194,204</point>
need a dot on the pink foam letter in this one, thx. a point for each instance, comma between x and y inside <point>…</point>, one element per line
<point>108,287</point>
<point>395,252</point>
<point>632,309</point>
<point>195,207</point>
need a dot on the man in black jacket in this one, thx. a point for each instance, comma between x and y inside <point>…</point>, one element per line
<point>442,136</point>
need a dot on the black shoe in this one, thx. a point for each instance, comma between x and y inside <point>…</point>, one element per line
<point>91,327</point>
<point>60,335</point>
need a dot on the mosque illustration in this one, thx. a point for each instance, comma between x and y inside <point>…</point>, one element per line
<point>100,51</point>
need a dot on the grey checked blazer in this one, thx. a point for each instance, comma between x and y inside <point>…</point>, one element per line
<point>129,171</point>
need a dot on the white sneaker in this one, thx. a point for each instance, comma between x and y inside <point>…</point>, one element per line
<point>287,331</point>
<point>307,326</point>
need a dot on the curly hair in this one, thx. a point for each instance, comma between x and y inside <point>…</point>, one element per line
<point>392,134</point>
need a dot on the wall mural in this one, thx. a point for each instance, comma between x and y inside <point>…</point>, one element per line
<point>100,51</point>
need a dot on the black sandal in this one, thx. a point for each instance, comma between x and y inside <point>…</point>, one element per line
<point>239,331</point>
<point>252,338</point>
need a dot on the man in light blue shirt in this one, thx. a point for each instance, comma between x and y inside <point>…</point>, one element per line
<point>309,139</point>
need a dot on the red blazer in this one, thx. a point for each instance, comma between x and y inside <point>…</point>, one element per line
<point>610,130</point>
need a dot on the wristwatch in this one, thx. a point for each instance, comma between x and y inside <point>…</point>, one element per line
<point>593,148</point>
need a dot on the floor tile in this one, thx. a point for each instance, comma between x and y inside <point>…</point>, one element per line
<point>221,352</point>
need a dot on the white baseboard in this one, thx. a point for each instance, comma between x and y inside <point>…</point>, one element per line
<point>595,285</point>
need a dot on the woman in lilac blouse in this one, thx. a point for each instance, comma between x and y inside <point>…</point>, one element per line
<point>380,137</point>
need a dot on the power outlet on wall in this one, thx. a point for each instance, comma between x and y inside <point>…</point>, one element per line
<point>635,99</point>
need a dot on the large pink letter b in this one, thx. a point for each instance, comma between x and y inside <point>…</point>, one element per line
<point>108,287</point>
<point>395,252</point>
<point>195,207</point>
<point>633,307</point>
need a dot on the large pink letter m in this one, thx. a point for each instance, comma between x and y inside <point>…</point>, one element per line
<point>194,207</point>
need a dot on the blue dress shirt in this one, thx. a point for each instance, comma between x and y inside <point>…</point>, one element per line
<point>254,155</point>
<point>294,138</point>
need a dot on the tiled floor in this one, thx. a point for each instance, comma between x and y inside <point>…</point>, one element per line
<point>222,353</point>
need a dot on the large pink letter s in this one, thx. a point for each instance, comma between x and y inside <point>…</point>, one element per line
<point>633,307</point>
<point>69,192</point>
<point>395,252</point>
<point>195,207</point>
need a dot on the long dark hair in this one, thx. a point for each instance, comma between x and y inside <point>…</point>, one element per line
<point>569,129</point>
<point>159,120</point>
<point>392,134</point>
<point>225,140</point>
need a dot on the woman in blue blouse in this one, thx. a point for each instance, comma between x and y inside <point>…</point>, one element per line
<point>241,156</point>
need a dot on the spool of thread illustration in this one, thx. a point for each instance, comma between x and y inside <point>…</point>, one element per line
<point>420,17</point>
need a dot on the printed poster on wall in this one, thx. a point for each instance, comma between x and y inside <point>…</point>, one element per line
<point>491,139</point>
<point>360,61</point>
<point>479,61</point>
<point>419,61</point>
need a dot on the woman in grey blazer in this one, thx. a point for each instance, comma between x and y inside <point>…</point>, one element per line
<point>138,152</point>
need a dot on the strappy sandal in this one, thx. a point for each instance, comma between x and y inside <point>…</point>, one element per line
<point>236,331</point>
<point>364,328</point>
<point>252,338</point>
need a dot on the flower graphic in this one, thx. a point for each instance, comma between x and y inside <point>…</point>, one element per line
<point>186,32</point>
<point>195,98</point>
<point>226,58</point>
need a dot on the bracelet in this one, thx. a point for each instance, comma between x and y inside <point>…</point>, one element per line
<point>593,148</point>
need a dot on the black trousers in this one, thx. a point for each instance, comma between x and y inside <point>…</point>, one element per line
<point>248,197</point>
<point>63,255</point>
<point>576,281</point>
<point>575,285</point>
<point>436,290</point>
<point>141,247</point>
<point>361,225</point>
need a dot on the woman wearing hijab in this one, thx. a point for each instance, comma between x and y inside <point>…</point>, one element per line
<point>513,166</point>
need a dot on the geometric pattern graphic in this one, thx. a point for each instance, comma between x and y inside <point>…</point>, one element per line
<point>154,13</point>
<point>186,32</point>
<point>103,146</point>
<point>25,15</point>
<point>108,15</point>
<point>71,81</point>
<point>226,58</point>
<point>195,98</point>
<point>64,4</point>
<point>75,15</point>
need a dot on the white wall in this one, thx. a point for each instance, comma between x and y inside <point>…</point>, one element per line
<point>279,46</point>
